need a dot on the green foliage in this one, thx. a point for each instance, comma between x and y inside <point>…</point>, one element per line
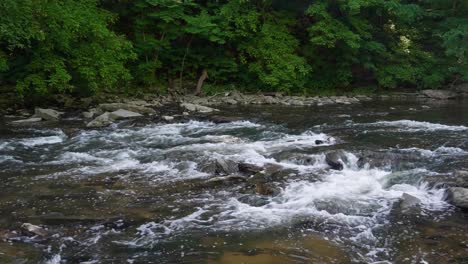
<point>315,47</point>
<point>57,46</point>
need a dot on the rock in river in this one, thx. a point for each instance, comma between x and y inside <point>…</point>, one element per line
<point>198,108</point>
<point>409,203</point>
<point>336,159</point>
<point>439,94</point>
<point>100,121</point>
<point>458,196</point>
<point>34,229</point>
<point>123,114</point>
<point>47,114</point>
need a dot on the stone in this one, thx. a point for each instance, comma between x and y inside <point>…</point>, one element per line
<point>336,159</point>
<point>226,167</point>
<point>111,107</point>
<point>458,196</point>
<point>47,114</point>
<point>439,94</point>
<point>185,113</point>
<point>100,121</point>
<point>249,169</point>
<point>409,203</point>
<point>88,114</point>
<point>230,101</point>
<point>227,179</point>
<point>254,200</point>
<point>34,229</point>
<point>123,114</point>
<point>461,178</point>
<point>168,118</point>
<point>29,120</point>
<point>319,142</point>
<point>198,108</point>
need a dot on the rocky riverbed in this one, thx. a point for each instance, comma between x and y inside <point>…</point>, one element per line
<point>327,180</point>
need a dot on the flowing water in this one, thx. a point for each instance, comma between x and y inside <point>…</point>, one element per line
<point>143,194</point>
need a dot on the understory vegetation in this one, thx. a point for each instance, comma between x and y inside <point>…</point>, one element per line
<point>81,47</point>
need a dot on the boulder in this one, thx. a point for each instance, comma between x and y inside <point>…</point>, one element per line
<point>336,159</point>
<point>123,114</point>
<point>29,120</point>
<point>226,167</point>
<point>33,230</point>
<point>439,94</point>
<point>168,118</point>
<point>409,204</point>
<point>319,142</point>
<point>88,115</point>
<point>111,107</point>
<point>47,114</point>
<point>461,178</point>
<point>198,108</point>
<point>458,196</point>
<point>100,121</point>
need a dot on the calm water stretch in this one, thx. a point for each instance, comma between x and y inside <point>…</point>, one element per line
<point>158,193</point>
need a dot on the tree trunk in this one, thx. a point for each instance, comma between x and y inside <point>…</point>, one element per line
<point>183,64</point>
<point>200,82</point>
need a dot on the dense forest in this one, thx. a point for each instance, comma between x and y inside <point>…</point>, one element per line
<point>303,47</point>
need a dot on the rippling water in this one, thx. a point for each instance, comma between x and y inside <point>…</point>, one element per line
<point>144,195</point>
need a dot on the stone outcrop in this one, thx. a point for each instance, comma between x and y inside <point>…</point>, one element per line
<point>439,94</point>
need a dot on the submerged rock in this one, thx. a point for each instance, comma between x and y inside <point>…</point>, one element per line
<point>254,200</point>
<point>47,114</point>
<point>123,114</point>
<point>336,159</point>
<point>458,196</point>
<point>226,179</point>
<point>439,94</point>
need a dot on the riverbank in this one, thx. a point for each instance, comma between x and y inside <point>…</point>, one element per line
<point>149,105</point>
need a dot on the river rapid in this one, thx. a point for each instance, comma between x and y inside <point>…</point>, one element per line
<point>146,194</point>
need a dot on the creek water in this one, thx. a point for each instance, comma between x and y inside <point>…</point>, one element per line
<point>143,194</point>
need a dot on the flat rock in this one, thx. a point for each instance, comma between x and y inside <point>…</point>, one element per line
<point>111,107</point>
<point>439,94</point>
<point>198,108</point>
<point>458,196</point>
<point>168,118</point>
<point>123,114</point>
<point>47,114</point>
<point>29,120</point>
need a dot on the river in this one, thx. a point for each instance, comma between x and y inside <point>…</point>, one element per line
<point>147,194</point>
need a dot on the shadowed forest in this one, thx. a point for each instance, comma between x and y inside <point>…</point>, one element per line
<point>81,47</point>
